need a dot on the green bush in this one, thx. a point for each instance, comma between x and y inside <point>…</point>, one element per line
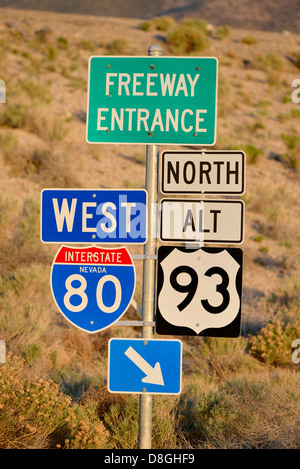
<point>118,46</point>
<point>14,116</point>
<point>35,414</point>
<point>290,140</point>
<point>62,42</point>
<point>119,413</point>
<point>160,23</point>
<point>252,153</point>
<point>223,31</point>
<point>249,40</point>
<point>163,23</point>
<point>272,345</point>
<point>186,39</point>
<point>296,59</point>
<point>247,412</point>
<point>195,23</point>
<point>269,61</point>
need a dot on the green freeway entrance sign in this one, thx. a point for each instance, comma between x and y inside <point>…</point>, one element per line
<point>152,100</point>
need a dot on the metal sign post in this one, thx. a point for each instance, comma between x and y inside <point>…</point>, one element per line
<point>151,186</point>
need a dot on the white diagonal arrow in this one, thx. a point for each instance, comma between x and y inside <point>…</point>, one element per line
<point>153,375</point>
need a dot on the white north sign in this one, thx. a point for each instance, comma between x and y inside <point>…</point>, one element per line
<point>207,221</point>
<point>203,172</point>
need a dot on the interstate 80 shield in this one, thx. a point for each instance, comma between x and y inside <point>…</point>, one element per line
<point>91,286</point>
<point>199,291</point>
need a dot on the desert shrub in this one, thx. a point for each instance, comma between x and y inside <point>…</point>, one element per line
<point>249,40</point>
<point>160,23</point>
<point>119,413</point>
<point>198,23</point>
<point>36,90</point>
<point>78,83</point>
<point>187,37</point>
<point>36,414</point>
<point>118,46</point>
<point>13,116</point>
<point>218,356</point>
<point>50,128</point>
<point>38,161</point>
<point>292,159</point>
<point>87,45</point>
<point>163,23</point>
<point>35,119</point>
<point>274,78</point>
<point>62,42</point>
<point>296,59</point>
<point>21,160</point>
<point>272,345</point>
<point>223,31</point>
<point>43,35</point>
<point>269,61</point>
<point>29,222</point>
<point>252,153</point>
<point>292,142</point>
<point>24,320</point>
<point>5,209</point>
<point>226,101</point>
<point>146,25</point>
<point>205,417</point>
<point>165,424</point>
<point>248,412</point>
<point>52,53</point>
<point>295,113</point>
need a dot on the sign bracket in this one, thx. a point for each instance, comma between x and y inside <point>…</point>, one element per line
<point>144,257</point>
<point>135,323</point>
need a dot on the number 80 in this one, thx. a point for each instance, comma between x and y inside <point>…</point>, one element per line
<point>80,291</point>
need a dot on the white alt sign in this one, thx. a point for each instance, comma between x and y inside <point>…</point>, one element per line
<point>203,172</point>
<point>207,221</point>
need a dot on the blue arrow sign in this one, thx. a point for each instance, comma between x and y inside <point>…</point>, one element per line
<point>115,216</point>
<point>144,366</point>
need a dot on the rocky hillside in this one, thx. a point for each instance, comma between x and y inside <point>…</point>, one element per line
<point>269,15</point>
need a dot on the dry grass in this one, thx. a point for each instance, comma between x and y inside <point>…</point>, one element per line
<point>34,414</point>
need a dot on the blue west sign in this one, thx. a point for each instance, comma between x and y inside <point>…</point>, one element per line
<point>94,216</point>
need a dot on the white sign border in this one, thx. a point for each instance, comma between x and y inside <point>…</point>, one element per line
<point>204,241</point>
<point>207,153</point>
